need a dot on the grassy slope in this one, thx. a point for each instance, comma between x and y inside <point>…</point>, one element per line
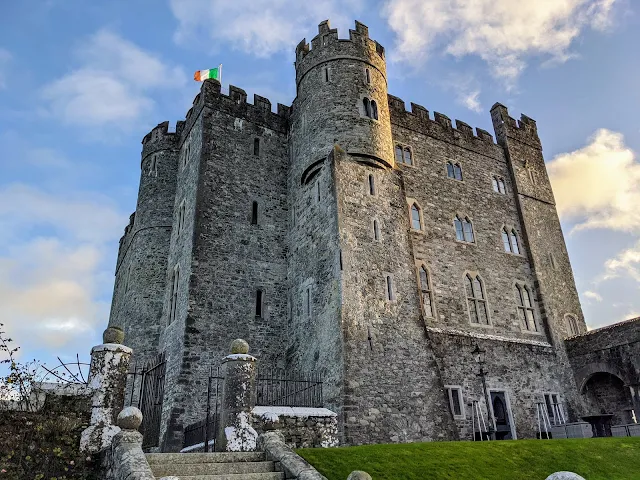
<point>594,459</point>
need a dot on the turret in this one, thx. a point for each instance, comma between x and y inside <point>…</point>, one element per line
<point>142,258</point>
<point>342,99</point>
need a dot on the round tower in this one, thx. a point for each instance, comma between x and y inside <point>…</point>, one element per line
<point>341,99</point>
<point>141,270</point>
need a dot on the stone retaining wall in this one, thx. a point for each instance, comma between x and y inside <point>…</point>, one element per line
<point>301,427</point>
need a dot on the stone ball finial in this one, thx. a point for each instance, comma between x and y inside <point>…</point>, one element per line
<point>113,335</point>
<point>130,418</point>
<point>359,475</point>
<point>564,476</point>
<point>239,346</point>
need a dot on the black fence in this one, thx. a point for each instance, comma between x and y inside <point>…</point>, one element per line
<point>205,430</point>
<point>277,387</point>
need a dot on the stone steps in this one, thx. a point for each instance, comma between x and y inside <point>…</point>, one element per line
<point>213,466</point>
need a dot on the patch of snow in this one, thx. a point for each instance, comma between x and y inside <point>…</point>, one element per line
<point>191,448</point>
<point>306,412</point>
<point>270,417</point>
<point>243,437</point>
<point>241,356</point>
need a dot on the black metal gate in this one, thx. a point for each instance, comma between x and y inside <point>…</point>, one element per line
<point>205,430</point>
<point>149,383</point>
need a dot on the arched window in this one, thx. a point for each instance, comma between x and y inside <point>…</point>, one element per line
<point>464,229</point>
<point>367,75</point>
<point>256,146</point>
<point>494,181</point>
<point>366,103</point>
<point>416,224</point>
<point>572,323</point>
<point>425,292</point>
<point>457,171</point>
<point>515,248</point>
<point>525,309</point>
<point>407,156</point>
<point>398,154</point>
<point>374,110</point>
<point>181,215</point>
<point>254,213</point>
<point>505,241</point>
<point>498,185</point>
<point>376,230</point>
<point>501,188</point>
<point>259,303</point>
<point>450,172</point>
<point>390,294</point>
<point>372,185</point>
<point>476,299</point>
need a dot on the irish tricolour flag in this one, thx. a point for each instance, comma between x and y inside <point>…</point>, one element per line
<point>202,75</point>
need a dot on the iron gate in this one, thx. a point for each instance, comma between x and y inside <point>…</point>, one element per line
<point>204,431</point>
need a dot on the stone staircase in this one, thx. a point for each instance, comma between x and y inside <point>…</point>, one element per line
<point>213,466</point>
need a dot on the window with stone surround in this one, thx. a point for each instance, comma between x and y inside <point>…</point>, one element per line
<point>153,166</point>
<point>572,323</point>
<point>256,146</point>
<point>367,76</point>
<point>307,302</point>
<point>399,157</point>
<point>376,230</point>
<point>476,300</point>
<point>404,154</point>
<point>259,303</point>
<point>254,213</point>
<point>426,292</point>
<point>326,75</point>
<point>526,314</point>
<point>510,240</point>
<point>181,215</point>
<point>498,184</point>
<point>186,154</point>
<point>390,291</point>
<point>372,184</point>
<point>374,110</point>
<point>416,220</point>
<point>173,299</point>
<point>464,229</point>
<point>456,404</point>
<point>127,278</point>
<point>454,170</point>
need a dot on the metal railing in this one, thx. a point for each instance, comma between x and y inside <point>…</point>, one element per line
<point>277,387</point>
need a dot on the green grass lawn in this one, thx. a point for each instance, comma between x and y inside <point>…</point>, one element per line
<point>594,459</point>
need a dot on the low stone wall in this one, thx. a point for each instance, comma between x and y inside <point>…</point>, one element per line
<point>286,460</point>
<point>300,427</point>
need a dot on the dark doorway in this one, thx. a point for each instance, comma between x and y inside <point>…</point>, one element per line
<point>501,415</point>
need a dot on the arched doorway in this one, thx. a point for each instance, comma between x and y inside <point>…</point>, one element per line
<point>605,392</point>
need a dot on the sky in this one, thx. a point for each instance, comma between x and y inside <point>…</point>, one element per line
<point>82,82</point>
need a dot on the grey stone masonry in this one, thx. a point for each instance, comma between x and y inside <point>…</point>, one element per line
<point>350,236</point>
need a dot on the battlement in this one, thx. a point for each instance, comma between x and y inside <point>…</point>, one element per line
<point>236,102</point>
<point>159,132</point>
<point>524,130</point>
<point>326,44</point>
<point>418,119</point>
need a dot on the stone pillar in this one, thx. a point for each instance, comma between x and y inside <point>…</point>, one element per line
<point>235,433</point>
<point>107,379</point>
<point>127,458</point>
<point>634,389</point>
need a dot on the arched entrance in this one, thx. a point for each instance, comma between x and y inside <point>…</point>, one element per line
<point>605,392</point>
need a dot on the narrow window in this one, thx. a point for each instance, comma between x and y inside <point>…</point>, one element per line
<point>326,74</point>
<point>467,228</point>
<point>501,188</point>
<point>173,299</point>
<point>367,106</point>
<point>457,170</point>
<point>525,309</point>
<point>416,224</point>
<point>505,241</point>
<point>450,172</point>
<point>495,184</point>
<point>552,260</point>
<point>256,146</point>
<point>458,225</point>
<point>573,325</point>
<point>153,167</point>
<point>372,185</point>
<point>181,215</point>
<point>308,302</point>
<point>476,299</point>
<point>259,299</point>
<point>425,290</point>
<point>185,154</point>
<point>318,190</point>
<point>374,110</point>
<point>367,75</point>
<point>376,230</point>
<point>407,156</point>
<point>127,277</point>
<point>531,176</point>
<point>390,295</point>
<point>455,401</point>
<point>398,154</point>
<point>254,213</point>
<point>340,259</point>
<point>514,242</point>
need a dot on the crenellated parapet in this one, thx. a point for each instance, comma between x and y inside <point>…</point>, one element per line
<point>159,138</point>
<point>326,46</point>
<point>235,104</point>
<point>524,130</point>
<point>440,126</point>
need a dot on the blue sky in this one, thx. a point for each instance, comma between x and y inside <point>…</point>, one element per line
<point>82,82</point>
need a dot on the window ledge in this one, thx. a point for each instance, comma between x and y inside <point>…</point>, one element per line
<point>455,180</point>
<point>406,164</point>
<point>413,230</point>
<point>466,243</point>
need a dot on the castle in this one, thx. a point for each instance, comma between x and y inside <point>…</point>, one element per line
<point>347,235</point>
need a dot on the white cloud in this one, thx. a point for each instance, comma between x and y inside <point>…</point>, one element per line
<point>259,27</point>
<point>504,33</point>
<point>598,186</point>
<point>626,262</point>
<point>593,295</point>
<point>53,265</point>
<point>5,56</point>
<point>112,85</point>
